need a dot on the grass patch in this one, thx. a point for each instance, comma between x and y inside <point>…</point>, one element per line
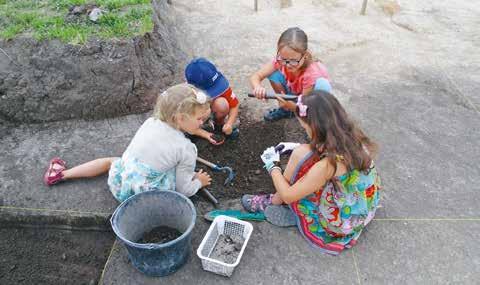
<point>48,19</point>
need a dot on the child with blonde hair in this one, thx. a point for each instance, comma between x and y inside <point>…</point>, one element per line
<point>330,185</point>
<point>159,157</point>
<point>292,71</point>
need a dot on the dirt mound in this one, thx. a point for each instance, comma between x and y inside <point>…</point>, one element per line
<point>243,155</point>
<point>50,81</point>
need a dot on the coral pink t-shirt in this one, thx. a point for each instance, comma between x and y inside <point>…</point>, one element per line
<point>304,80</point>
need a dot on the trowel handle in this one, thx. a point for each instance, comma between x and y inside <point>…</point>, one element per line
<point>209,196</point>
<point>207,163</point>
<point>269,95</point>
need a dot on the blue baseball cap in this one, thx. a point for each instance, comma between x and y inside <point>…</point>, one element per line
<point>202,74</point>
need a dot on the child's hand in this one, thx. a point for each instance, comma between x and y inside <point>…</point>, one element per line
<point>286,147</point>
<point>260,92</point>
<point>227,129</point>
<point>269,158</point>
<point>216,139</point>
<point>204,178</point>
<point>282,103</point>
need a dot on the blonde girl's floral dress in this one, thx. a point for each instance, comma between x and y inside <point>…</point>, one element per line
<point>129,176</point>
<point>159,157</point>
<point>333,218</point>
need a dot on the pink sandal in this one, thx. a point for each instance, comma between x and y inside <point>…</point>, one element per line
<point>54,175</point>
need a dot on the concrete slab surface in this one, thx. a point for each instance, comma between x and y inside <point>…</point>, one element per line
<point>419,252</point>
<point>273,256</point>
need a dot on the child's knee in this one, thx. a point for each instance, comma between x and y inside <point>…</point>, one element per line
<point>277,87</point>
<point>220,106</point>
<point>278,82</point>
<point>277,77</point>
<point>322,84</point>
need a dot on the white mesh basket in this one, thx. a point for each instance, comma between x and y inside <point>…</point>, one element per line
<point>226,226</point>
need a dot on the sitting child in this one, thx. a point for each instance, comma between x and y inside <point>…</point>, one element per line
<point>292,71</point>
<point>203,74</point>
<point>159,157</point>
<point>331,185</point>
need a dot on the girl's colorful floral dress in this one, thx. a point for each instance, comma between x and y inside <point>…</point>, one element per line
<point>333,218</point>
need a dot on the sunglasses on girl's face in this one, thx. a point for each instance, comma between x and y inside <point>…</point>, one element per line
<point>291,62</point>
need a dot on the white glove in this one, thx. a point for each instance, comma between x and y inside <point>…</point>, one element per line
<point>269,157</point>
<point>285,147</point>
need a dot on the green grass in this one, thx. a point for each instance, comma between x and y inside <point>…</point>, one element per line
<point>46,19</point>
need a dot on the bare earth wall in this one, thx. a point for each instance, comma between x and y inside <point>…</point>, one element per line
<point>51,81</point>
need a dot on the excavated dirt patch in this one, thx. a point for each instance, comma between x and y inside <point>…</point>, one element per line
<point>50,256</point>
<point>243,155</point>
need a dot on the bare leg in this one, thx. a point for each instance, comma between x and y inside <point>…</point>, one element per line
<point>278,87</point>
<point>293,161</point>
<point>89,169</point>
<point>220,108</point>
<point>276,200</point>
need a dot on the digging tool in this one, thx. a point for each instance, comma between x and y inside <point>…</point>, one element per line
<point>216,168</point>
<point>207,195</point>
<point>269,95</point>
<point>235,214</point>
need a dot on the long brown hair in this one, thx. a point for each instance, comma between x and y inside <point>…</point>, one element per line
<point>296,39</point>
<point>334,133</point>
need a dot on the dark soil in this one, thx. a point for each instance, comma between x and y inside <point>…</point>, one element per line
<point>160,234</point>
<point>218,137</point>
<point>50,256</point>
<point>227,248</point>
<point>243,156</point>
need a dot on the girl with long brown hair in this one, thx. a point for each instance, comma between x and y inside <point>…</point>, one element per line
<point>330,185</point>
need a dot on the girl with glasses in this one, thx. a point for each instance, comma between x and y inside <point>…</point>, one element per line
<point>292,71</point>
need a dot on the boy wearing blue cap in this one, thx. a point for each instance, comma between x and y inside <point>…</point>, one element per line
<point>203,74</point>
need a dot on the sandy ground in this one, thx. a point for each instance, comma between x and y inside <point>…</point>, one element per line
<point>441,35</point>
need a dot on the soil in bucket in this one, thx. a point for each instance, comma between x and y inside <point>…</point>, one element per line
<point>160,234</point>
<point>227,248</point>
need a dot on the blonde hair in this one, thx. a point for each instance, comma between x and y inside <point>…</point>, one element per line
<point>179,99</point>
<point>296,39</point>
